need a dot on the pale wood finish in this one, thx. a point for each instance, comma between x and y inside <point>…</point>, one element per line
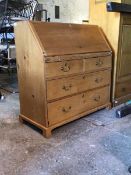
<point>99,63</point>
<point>30,68</point>
<point>63,68</point>
<point>63,73</point>
<point>60,41</point>
<point>47,131</point>
<point>72,85</point>
<point>66,108</point>
<point>117,28</point>
<point>49,59</point>
<point>109,22</point>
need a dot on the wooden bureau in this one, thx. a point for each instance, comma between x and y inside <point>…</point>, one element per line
<point>64,72</point>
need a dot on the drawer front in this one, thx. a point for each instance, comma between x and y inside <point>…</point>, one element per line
<point>95,64</point>
<point>123,89</point>
<point>67,86</point>
<point>64,68</point>
<point>64,109</point>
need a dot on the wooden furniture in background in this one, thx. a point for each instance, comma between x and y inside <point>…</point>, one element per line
<point>64,72</point>
<point>117,28</point>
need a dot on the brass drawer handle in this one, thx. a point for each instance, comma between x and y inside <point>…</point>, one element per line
<point>66,109</point>
<point>84,77</point>
<point>65,67</point>
<point>67,88</point>
<point>98,80</point>
<point>83,95</point>
<point>99,63</point>
<point>97,99</point>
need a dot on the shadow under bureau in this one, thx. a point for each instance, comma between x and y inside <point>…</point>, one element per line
<point>64,72</point>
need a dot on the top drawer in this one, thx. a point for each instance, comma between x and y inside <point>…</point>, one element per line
<point>94,64</point>
<point>63,68</point>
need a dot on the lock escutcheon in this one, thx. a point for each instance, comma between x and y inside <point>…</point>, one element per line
<point>84,77</point>
<point>67,88</point>
<point>65,110</point>
<point>97,99</point>
<point>65,67</point>
<point>83,95</point>
<point>98,80</point>
<point>99,63</point>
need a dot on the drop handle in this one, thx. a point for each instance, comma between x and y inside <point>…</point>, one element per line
<point>65,67</point>
<point>67,88</point>
<point>66,110</point>
<point>98,80</point>
<point>99,63</point>
<point>84,77</point>
<point>97,99</point>
<point>83,95</point>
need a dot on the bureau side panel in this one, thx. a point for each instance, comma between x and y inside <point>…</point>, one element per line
<point>30,65</point>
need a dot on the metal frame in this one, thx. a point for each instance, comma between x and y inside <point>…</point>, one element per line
<point>9,16</point>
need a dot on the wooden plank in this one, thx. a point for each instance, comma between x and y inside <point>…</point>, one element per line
<point>58,38</point>
<point>76,56</point>
<point>61,110</point>
<point>30,66</point>
<point>76,84</point>
<point>110,24</point>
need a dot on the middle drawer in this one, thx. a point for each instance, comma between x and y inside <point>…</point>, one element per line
<point>72,85</point>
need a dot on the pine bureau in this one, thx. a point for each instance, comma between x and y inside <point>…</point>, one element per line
<point>64,72</point>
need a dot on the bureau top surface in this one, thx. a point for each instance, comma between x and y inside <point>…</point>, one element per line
<point>63,39</point>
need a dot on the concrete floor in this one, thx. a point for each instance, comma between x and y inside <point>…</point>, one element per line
<point>99,144</point>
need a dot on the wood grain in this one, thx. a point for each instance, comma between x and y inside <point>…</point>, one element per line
<point>88,38</point>
<point>30,66</point>
<point>64,68</point>
<point>64,73</point>
<point>72,85</point>
<point>68,107</point>
<point>117,28</point>
<point>97,63</point>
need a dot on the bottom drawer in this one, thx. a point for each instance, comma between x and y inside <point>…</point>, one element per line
<point>66,108</point>
<point>123,89</point>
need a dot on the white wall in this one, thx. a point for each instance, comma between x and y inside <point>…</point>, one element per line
<point>71,11</point>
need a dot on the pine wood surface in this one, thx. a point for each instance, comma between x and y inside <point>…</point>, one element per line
<point>56,89</point>
<point>60,40</point>
<point>117,29</point>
